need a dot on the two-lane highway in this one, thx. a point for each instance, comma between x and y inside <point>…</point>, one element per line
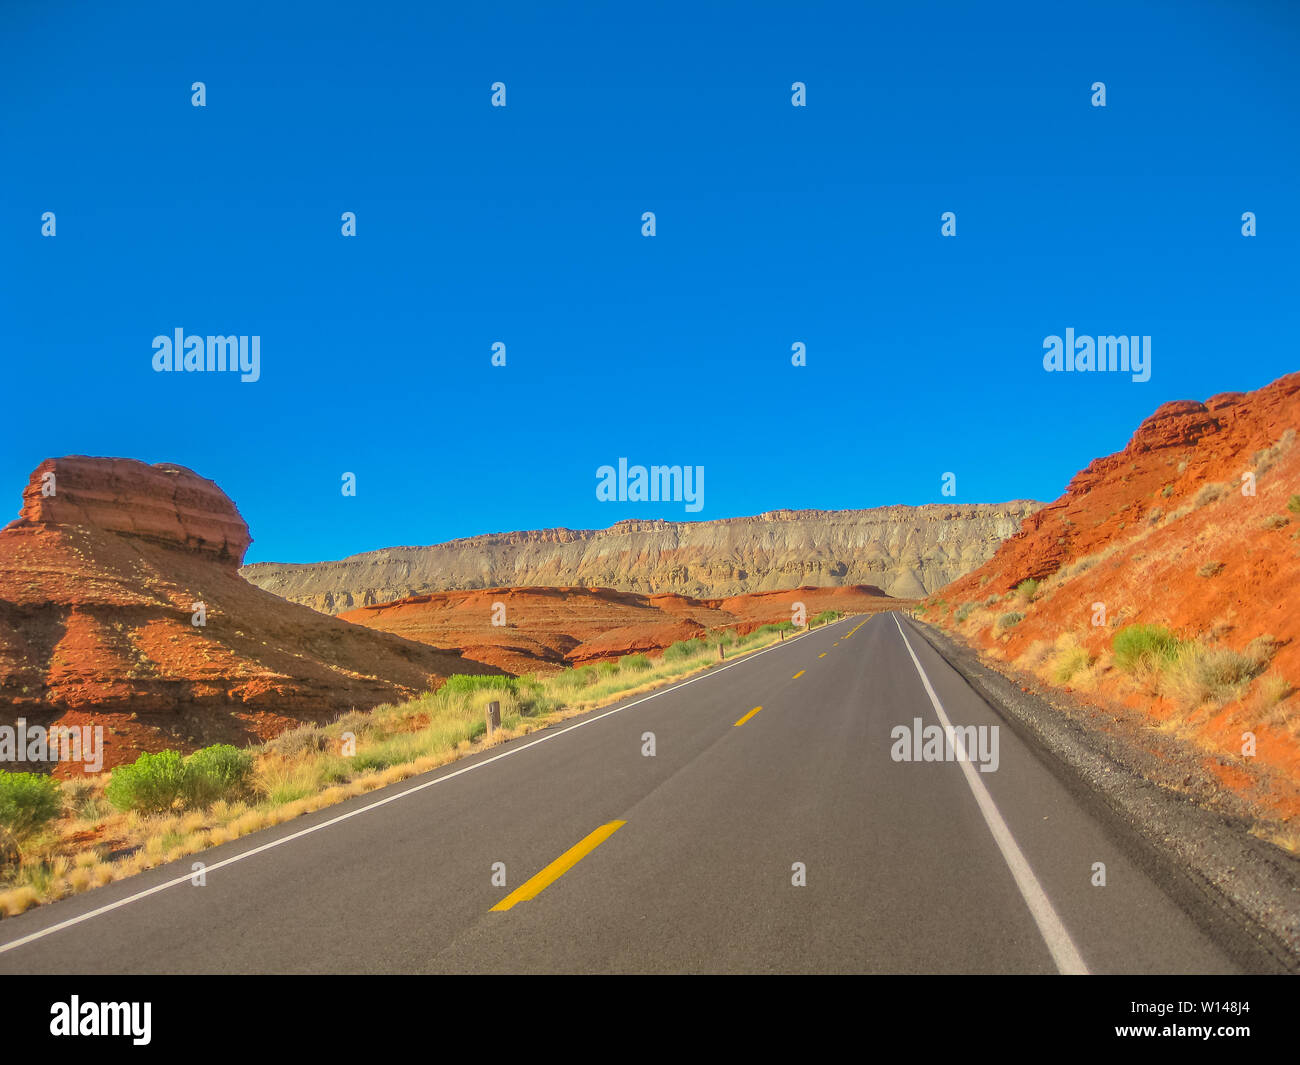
<point>771,830</point>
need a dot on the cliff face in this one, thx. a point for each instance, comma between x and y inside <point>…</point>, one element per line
<point>98,589</point>
<point>166,504</point>
<point>905,551</point>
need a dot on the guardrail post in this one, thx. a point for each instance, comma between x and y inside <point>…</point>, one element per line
<point>493,717</point>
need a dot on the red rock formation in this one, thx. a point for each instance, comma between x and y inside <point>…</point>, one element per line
<point>98,586</point>
<point>164,503</point>
<point>551,628</point>
<point>1178,450</point>
<point>1162,533</point>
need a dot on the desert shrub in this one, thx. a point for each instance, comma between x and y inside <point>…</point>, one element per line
<point>682,649</point>
<point>1072,661</point>
<point>1199,673</point>
<point>827,616</point>
<point>151,784</point>
<point>305,739</point>
<point>1275,521</point>
<point>634,663</point>
<point>964,611</point>
<point>379,760</point>
<point>1012,617</point>
<point>1210,569</point>
<point>358,722</point>
<point>1167,491</point>
<point>607,668</point>
<point>1266,457</point>
<point>1260,651</point>
<point>1208,494</point>
<point>1293,504</point>
<point>1027,589</point>
<point>28,801</point>
<point>467,683</point>
<point>578,677</point>
<point>1149,646</point>
<point>1272,690</point>
<point>217,772</point>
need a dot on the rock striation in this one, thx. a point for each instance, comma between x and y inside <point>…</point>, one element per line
<point>905,551</point>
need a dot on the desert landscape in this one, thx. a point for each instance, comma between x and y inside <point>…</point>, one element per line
<point>1151,597</point>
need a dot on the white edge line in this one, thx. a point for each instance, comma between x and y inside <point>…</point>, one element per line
<point>1064,953</point>
<point>186,878</point>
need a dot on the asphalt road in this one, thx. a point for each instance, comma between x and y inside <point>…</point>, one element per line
<point>908,866</point>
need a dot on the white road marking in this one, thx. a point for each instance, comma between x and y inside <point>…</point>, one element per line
<point>188,877</point>
<point>1066,955</point>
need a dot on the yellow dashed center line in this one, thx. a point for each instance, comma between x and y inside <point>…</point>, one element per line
<point>566,861</point>
<point>799,674</point>
<point>822,655</point>
<point>748,716</point>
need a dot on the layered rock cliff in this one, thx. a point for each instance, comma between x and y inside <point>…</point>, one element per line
<point>905,551</point>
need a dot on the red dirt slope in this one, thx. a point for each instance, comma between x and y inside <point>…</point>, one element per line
<point>1162,533</point>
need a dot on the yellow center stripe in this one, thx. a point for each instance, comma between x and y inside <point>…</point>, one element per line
<point>799,674</point>
<point>748,716</point>
<point>822,655</point>
<point>566,861</point>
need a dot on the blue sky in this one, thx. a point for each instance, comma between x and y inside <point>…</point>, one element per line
<point>522,224</point>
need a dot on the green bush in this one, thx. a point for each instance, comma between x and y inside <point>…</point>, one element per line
<point>681,650</point>
<point>827,616</point>
<point>468,683</point>
<point>217,772</point>
<point>1012,617</point>
<point>577,677</point>
<point>151,784</point>
<point>607,668</point>
<point>964,611</point>
<point>1146,646</point>
<point>634,663</point>
<point>1027,589</point>
<point>27,802</point>
<point>1293,504</point>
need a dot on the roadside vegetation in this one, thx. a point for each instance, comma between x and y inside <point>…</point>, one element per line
<point>61,837</point>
